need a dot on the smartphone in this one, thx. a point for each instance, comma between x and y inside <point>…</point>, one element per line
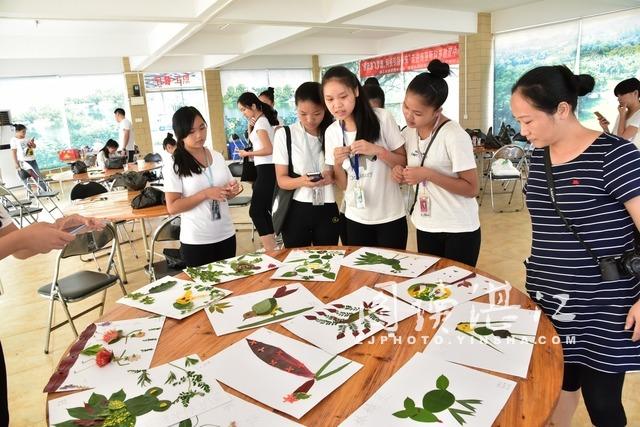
<point>314,176</point>
<point>75,230</point>
<point>598,115</point>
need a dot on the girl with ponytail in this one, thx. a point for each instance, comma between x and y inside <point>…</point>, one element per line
<point>197,185</point>
<point>587,226</point>
<point>261,137</point>
<point>363,145</point>
<point>442,167</point>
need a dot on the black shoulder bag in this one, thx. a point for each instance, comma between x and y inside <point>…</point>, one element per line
<point>249,171</point>
<point>611,268</point>
<point>282,198</point>
<point>424,157</point>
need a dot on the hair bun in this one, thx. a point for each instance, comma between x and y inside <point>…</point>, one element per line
<point>584,83</point>
<point>439,68</point>
<point>271,90</point>
<point>169,135</point>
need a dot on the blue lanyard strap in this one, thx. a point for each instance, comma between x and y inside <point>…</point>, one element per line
<point>353,160</point>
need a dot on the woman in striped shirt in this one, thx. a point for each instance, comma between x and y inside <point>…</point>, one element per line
<point>597,188</point>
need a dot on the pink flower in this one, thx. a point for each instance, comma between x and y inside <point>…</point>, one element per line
<point>103,358</point>
<point>111,336</point>
<point>290,398</point>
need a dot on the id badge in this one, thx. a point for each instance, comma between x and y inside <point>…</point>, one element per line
<point>318,196</point>
<point>359,197</point>
<point>215,210</point>
<point>425,201</point>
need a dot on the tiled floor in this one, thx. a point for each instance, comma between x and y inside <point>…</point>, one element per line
<point>505,243</point>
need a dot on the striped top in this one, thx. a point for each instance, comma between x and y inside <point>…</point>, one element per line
<point>561,276</point>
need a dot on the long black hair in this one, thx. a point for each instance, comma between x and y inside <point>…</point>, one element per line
<point>367,124</point>
<point>109,144</point>
<point>184,164</point>
<point>249,99</point>
<point>546,87</point>
<point>430,85</point>
<point>312,91</point>
<point>269,93</point>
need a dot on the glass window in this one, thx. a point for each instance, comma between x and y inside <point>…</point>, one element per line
<point>72,114</point>
<point>515,54</point>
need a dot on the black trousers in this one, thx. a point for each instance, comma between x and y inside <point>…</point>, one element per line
<point>602,393</point>
<point>391,234</point>
<point>308,225</point>
<point>197,255</point>
<point>461,247</point>
<point>4,399</point>
<point>262,199</point>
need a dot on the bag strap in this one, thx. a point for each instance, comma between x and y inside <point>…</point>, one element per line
<point>424,157</point>
<point>287,131</point>
<point>552,194</point>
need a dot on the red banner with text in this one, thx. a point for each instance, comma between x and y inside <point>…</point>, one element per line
<point>408,61</point>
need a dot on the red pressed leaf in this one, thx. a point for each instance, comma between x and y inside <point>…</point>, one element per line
<point>283,291</point>
<point>338,305</point>
<point>310,317</point>
<point>305,387</point>
<point>278,358</point>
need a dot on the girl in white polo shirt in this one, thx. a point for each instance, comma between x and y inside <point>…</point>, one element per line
<point>261,138</point>
<point>197,185</point>
<point>363,145</point>
<point>441,164</point>
<point>313,217</point>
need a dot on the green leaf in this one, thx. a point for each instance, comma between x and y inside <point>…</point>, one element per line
<point>185,423</point>
<point>190,361</point>
<point>329,275</point>
<point>163,287</point>
<point>314,256</point>
<point>442,382</point>
<point>141,405</point>
<point>69,423</point>
<point>483,330</point>
<point>97,401</point>
<point>92,350</point>
<point>290,274</point>
<point>409,403</point>
<point>183,306</point>
<point>80,413</point>
<point>401,414</point>
<point>302,269</point>
<point>118,395</point>
<point>275,318</point>
<point>425,416</point>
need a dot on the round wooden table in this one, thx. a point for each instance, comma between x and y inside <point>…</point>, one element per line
<point>530,404</point>
<point>96,174</point>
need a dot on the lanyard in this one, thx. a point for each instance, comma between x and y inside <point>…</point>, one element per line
<point>308,155</point>
<point>353,160</point>
<point>207,170</point>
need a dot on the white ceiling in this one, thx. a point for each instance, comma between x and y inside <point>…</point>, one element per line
<point>44,37</point>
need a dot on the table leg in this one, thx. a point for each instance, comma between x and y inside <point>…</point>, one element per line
<point>144,238</point>
<point>123,273</point>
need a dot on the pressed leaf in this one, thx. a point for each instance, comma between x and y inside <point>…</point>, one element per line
<point>162,287</point>
<point>69,423</point>
<point>97,401</point>
<point>329,275</point>
<point>409,403</point>
<point>275,318</point>
<point>290,274</point>
<point>401,414</point>
<point>425,416</point>
<point>80,413</point>
<point>483,330</point>
<point>92,350</point>
<point>141,405</point>
<point>278,358</point>
<point>190,361</point>
<point>185,423</point>
<point>118,395</point>
<point>442,382</point>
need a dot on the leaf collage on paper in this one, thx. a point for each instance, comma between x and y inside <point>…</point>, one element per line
<point>310,264</point>
<point>232,268</point>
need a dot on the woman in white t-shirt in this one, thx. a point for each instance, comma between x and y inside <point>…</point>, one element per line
<point>628,120</point>
<point>441,163</point>
<point>313,217</point>
<point>261,138</point>
<point>363,145</point>
<point>24,154</point>
<point>109,150</point>
<point>197,185</point>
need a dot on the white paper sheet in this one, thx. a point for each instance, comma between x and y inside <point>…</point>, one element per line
<point>442,289</point>
<point>387,261</point>
<point>281,372</point>
<point>232,268</point>
<point>486,336</point>
<point>260,308</point>
<point>158,396</point>
<point>349,320</point>
<point>434,392</point>
<point>175,298</point>
<point>132,344</point>
<point>310,264</point>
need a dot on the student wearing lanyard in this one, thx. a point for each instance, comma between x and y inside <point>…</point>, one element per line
<point>440,162</point>
<point>197,186</point>
<point>261,137</point>
<point>363,145</point>
<point>313,217</point>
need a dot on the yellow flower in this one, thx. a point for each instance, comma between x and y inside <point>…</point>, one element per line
<point>185,299</point>
<point>314,265</point>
